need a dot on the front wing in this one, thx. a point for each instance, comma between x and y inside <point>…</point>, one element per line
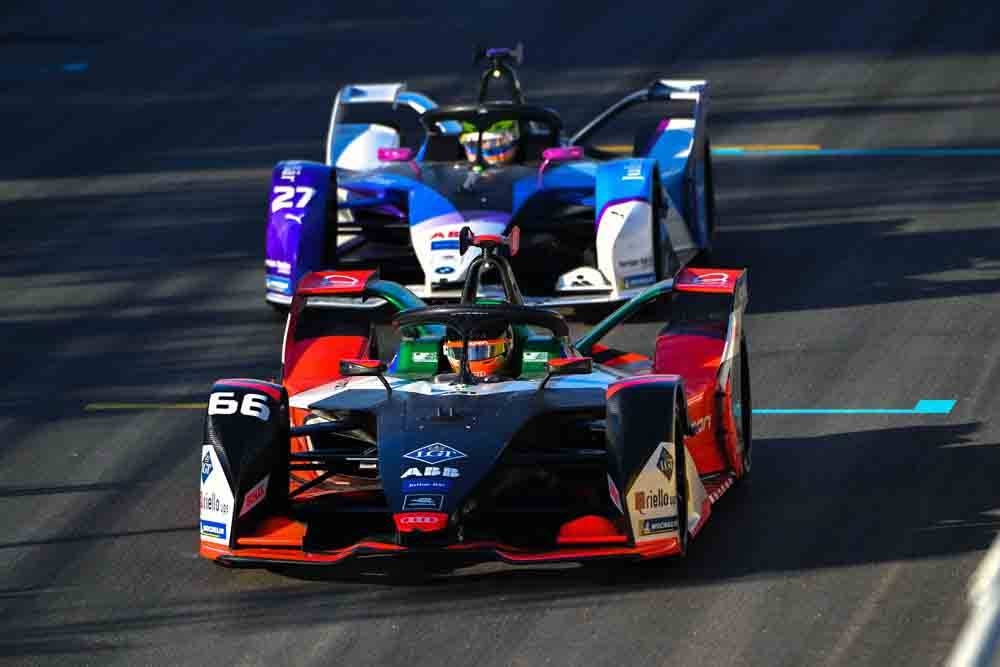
<point>279,541</point>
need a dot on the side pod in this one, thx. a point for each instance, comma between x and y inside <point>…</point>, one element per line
<point>244,457</point>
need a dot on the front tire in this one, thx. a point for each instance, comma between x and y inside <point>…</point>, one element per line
<point>682,489</point>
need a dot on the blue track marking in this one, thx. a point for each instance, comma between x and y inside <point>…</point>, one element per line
<point>20,72</point>
<point>858,152</point>
<point>923,407</point>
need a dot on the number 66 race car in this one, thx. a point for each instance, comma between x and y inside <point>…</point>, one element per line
<point>403,176</point>
<point>478,430</point>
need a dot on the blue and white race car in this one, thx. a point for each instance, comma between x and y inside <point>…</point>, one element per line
<point>403,176</point>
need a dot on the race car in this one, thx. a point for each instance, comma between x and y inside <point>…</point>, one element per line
<point>478,430</point>
<point>403,176</point>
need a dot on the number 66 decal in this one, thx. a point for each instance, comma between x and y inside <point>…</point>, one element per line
<point>225,403</point>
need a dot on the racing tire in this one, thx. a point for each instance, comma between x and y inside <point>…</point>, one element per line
<point>709,195</point>
<point>656,206</point>
<point>743,410</point>
<point>705,257</point>
<point>682,489</point>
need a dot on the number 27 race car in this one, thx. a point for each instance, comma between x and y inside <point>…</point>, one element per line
<point>403,176</point>
<point>478,430</point>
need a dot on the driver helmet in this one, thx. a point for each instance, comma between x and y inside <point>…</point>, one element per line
<point>499,142</point>
<point>489,352</point>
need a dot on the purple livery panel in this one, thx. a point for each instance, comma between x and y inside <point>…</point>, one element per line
<point>300,193</point>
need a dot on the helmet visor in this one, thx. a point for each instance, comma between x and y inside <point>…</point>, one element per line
<point>479,350</point>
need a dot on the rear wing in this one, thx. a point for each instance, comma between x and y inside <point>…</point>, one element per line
<point>369,116</point>
<point>351,290</point>
<point>686,100</point>
<point>330,316</point>
<point>717,296</point>
<point>699,295</point>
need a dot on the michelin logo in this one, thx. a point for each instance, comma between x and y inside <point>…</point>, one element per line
<point>213,529</point>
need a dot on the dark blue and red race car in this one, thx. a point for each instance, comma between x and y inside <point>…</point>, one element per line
<point>478,430</point>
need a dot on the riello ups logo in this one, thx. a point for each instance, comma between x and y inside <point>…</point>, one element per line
<point>646,501</point>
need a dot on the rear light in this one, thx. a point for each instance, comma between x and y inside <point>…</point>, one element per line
<point>420,522</point>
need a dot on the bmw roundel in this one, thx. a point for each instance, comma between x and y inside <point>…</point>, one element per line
<point>444,270</point>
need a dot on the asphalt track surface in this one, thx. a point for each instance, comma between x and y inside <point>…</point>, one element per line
<point>132,199</point>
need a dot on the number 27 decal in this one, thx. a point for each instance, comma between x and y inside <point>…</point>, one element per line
<point>284,196</point>
<point>225,403</point>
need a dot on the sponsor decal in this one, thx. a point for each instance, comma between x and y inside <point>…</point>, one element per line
<point>436,452</point>
<point>418,520</point>
<point>284,268</point>
<point>702,424</point>
<point>423,502</point>
<point>425,522</point>
<point>423,484</point>
<point>651,500</point>
<point>206,467</point>
<point>339,280</point>
<point>290,173</point>
<point>535,356</point>
<point>633,171</point>
<point>666,464</point>
<point>213,529</point>
<point>715,279</point>
<point>616,497</point>
<point>633,263</point>
<point>212,502</point>
<point>255,495</point>
<point>295,218</point>
<point>424,357</point>
<point>640,280</point>
<point>444,245</point>
<point>216,502</point>
<point>662,525</point>
<point>278,284</point>
<point>430,471</point>
<point>451,234</point>
<point>444,270</point>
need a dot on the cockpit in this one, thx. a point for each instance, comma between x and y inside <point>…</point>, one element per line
<point>492,134</point>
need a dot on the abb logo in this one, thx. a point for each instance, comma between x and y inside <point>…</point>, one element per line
<point>424,522</point>
<point>453,234</point>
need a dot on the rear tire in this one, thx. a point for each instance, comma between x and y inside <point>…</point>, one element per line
<point>743,409</point>
<point>659,261</point>
<point>705,258</point>
<point>709,197</point>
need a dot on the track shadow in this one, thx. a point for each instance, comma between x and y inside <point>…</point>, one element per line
<point>881,495</point>
<point>885,494</point>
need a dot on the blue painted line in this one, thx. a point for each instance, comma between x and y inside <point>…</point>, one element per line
<point>923,407</point>
<point>861,152</point>
<point>20,72</point>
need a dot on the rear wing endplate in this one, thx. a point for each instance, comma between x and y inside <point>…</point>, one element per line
<point>367,93</point>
